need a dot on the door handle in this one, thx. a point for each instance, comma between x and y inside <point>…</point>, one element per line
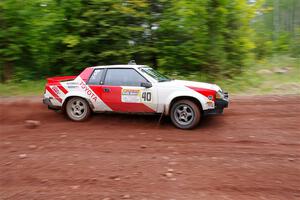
<point>106,89</point>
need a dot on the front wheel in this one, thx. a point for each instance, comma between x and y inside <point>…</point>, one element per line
<point>185,114</point>
<point>77,109</point>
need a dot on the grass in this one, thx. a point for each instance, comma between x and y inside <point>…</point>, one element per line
<point>261,77</point>
<point>277,75</point>
<point>23,88</point>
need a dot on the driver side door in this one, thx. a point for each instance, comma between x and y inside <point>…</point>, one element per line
<point>122,91</point>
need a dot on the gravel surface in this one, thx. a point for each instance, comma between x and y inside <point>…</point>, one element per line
<point>250,152</point>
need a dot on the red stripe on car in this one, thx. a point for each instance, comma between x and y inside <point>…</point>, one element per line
<point>62,88</point>
<point>205,92</point>
<point>53,94</point>
<point>113,100</point>
<point>85,75</point>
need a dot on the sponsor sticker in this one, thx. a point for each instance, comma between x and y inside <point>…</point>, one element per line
<point>56,90</point>
<point>210,104</point>
<point>88,91</point>
<point>72,86</point>
<point>131,95</point>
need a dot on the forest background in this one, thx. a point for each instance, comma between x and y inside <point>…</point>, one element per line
<point>246,46</point>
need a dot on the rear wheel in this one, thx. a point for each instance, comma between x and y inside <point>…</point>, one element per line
<point>185,114</point>
<point>77,109</point>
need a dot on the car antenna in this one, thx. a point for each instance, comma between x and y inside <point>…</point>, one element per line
<point>132,62</point>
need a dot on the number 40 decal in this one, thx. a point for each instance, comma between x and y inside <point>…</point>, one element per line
<point>146,96</point>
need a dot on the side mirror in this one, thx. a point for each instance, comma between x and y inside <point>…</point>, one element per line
<point>146,85</point>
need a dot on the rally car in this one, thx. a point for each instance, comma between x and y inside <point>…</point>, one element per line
<point>133,89</point>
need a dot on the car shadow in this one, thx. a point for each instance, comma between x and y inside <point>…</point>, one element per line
<point>146,120</point>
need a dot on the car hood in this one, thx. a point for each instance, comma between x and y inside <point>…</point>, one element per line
<point>195,84</point>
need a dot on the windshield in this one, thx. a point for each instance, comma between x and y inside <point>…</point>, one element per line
<point>155,74</point>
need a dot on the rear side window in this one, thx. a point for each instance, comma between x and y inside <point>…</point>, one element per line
<point>96,77</point>
<point>123,77</point>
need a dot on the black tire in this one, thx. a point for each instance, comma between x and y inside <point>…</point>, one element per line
<point>188,117</point>
<point>77,109</point>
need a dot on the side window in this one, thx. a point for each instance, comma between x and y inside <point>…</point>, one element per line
<point>123,77</point>
<point>96,77</point>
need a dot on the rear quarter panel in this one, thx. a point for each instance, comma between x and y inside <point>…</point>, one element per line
<point>79,88</point>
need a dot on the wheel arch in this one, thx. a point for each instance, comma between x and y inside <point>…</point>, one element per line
<point>184,97</point>
<point>73,96</point>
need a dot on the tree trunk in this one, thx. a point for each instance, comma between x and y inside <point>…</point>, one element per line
<point>7,72</point>
<point>276,19</point>
<point>154,61</point>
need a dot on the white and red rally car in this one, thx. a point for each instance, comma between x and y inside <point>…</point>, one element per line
<point>133,89</point>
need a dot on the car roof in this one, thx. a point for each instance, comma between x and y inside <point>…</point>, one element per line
<point>119,66</point>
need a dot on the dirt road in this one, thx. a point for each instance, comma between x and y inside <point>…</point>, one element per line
<point>250,152</point>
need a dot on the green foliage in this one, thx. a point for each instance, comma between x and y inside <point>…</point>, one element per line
<point>260,78</point>
<point>23,88</point>
<point>40,38</point>
<point>209,36</point>
<point>277,28</point>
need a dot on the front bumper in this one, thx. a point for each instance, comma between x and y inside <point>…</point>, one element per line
<point>47,101</point>
<point>220,104</point>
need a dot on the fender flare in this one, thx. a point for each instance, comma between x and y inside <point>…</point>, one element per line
<point>190,94</point>
<point>77,94</point>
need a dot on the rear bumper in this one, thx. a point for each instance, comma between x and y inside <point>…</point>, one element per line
<point>47,101</point>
